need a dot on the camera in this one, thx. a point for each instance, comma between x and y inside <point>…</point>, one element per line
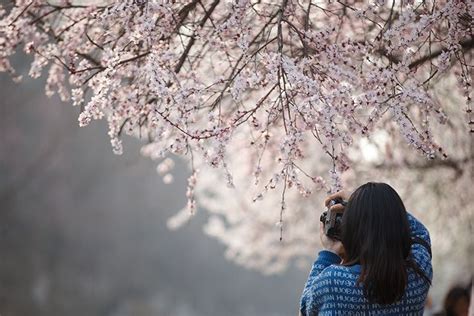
<point>332,219</point>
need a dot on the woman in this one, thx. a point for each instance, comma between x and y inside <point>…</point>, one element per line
<point>456,302</point>
<point>381,266</point>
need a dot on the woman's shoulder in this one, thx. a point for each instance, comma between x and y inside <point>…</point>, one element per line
<point>340,272</point>
<point>335,279</point>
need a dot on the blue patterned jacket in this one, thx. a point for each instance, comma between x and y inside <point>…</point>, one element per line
<point>332,289</point>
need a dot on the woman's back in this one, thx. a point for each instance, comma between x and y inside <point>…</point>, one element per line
<point>333,289</point>
<point>336,293</point>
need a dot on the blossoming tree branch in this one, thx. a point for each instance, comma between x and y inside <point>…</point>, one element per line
<point>275,95</point>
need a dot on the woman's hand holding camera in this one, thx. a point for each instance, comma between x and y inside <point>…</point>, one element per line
<point>330,244</point>
<point>343,195</point>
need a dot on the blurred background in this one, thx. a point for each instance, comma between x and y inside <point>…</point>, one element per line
<point>83,231</point>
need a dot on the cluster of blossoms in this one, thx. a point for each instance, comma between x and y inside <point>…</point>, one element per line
<point>276,95</point>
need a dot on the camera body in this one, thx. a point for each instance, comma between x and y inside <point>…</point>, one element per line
<point>332,220</point>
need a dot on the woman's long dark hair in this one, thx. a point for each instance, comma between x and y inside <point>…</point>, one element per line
<point>376,235</point>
